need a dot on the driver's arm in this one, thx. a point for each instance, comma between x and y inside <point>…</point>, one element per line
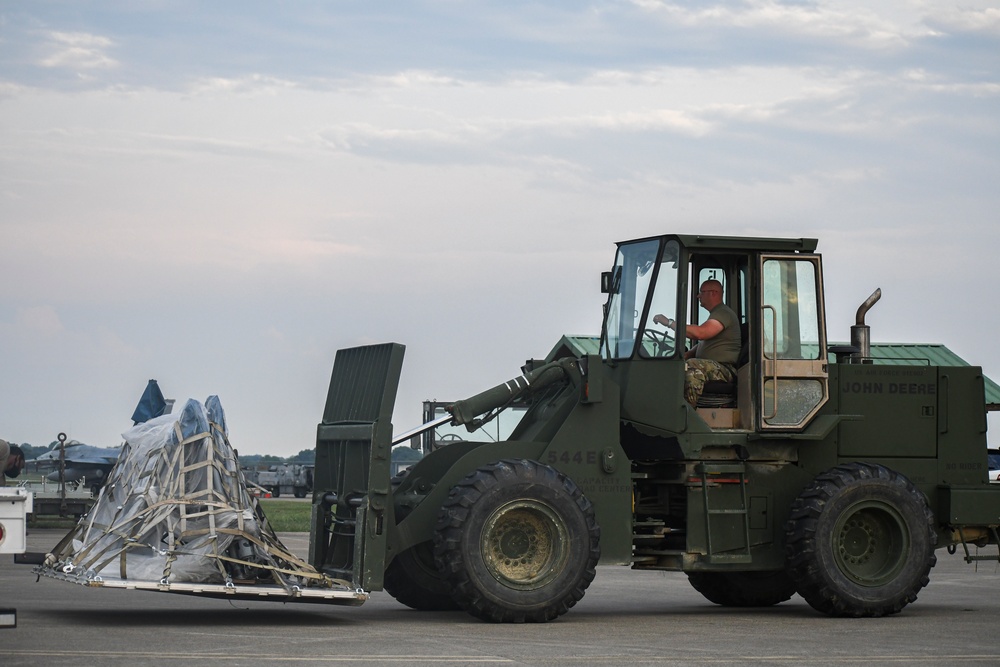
<point>710,329</point>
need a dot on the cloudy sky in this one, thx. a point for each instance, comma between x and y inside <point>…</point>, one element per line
<point>220,195</point>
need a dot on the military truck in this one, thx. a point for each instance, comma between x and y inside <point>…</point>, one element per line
<point>287,478</point>
<point>821,470</point>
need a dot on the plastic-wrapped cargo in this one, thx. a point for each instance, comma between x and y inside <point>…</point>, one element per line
<point>175,515</point>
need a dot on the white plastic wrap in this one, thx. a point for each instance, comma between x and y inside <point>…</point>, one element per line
<point>176,509</point>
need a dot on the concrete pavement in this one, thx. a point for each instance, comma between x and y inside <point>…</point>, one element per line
<point>626,618</point>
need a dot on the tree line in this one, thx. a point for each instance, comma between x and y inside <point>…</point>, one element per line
<point>304,456</point>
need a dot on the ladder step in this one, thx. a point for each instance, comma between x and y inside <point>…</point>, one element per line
<point>730,558</point>
<point>738,473</point>
<point>737,468</point>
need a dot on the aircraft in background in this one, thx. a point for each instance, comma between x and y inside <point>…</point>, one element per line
<point>95,463</point>
<point>82,461</point>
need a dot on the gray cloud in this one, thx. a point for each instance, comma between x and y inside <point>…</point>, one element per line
<point>77,51</point>
<point>223,201</point>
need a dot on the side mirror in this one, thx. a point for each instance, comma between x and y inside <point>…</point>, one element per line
<point>606,282</point>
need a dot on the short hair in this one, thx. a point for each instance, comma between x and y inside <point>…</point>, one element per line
<point>15,451</point>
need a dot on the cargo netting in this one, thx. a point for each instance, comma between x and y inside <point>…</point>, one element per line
<point>176,515</point>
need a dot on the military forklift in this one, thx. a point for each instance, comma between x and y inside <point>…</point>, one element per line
<point>822,470</point>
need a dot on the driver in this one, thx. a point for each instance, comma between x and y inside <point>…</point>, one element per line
<point>718,342</point>
<point>11,461</point>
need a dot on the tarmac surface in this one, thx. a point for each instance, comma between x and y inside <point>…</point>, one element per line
<point>626,618</point>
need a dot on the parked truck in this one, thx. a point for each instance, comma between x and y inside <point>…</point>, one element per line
<point>287,478</point>
<point>821,470</point>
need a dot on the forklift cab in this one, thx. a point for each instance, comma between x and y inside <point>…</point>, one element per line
<point>775,286</point>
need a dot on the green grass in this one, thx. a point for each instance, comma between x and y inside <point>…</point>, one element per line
<point>286,516</point>
<point>55,522</point>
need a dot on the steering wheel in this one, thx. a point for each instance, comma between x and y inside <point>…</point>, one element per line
<point>662,341</point>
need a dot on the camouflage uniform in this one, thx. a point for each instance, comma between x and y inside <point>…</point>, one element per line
<point>714,358</point>
<point>700,371</point>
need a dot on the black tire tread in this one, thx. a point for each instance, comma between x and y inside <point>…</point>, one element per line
<point>416,584</point>
<point>743,589</point>
<point>455,513</point>
<point>820,589</point>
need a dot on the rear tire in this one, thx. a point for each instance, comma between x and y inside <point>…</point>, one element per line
<point>414,580</point>
<point>860,541</point>
<point>743,589</point>
<point>517,541</point>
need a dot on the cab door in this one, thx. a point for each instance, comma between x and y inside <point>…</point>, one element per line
<point>792,329</point>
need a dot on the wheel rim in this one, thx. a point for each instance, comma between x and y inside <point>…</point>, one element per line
<point>524,544</point>
<point>871,543</point>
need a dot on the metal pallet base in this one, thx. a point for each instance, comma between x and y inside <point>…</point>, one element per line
<point>340,596</point>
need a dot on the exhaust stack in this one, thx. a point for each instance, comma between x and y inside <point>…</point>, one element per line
<point>861,332</point>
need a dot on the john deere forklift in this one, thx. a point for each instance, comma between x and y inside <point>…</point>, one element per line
<point>821,470</point>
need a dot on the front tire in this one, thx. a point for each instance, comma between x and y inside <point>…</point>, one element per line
<point>413,579</point>
<point>743,589</point>
<point>517,541</point>
<point>860,541</point>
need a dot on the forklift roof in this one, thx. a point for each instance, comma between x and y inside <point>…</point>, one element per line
<point>744,243</point>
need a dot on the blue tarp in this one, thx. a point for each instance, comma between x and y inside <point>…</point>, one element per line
<point>150,405</point>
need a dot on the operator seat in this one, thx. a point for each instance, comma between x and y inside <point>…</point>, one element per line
<point>719,394</point>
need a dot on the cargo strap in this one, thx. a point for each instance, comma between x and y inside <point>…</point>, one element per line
<point>181,502</point>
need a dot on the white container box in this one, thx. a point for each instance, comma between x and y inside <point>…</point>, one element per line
<point>15,505</point>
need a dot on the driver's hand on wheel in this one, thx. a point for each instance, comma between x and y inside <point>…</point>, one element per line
<point>665,321</point>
